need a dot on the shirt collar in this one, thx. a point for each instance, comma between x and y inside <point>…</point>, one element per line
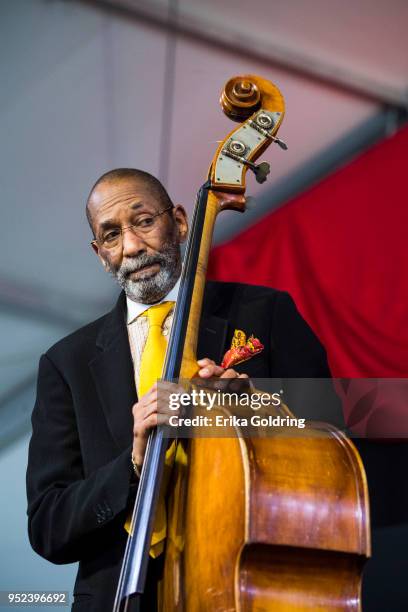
<point>135,309</point>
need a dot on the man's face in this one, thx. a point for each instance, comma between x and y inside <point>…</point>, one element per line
<point>146,262</point>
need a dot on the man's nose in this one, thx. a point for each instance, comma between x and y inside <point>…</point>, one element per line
<point>132,244</point>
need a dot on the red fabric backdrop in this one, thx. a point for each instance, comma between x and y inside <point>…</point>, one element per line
<point>340,250</point>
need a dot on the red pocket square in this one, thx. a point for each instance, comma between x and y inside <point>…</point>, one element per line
<point>241,349</point>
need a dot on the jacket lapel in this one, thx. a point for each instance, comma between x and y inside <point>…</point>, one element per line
<point>212,337</point>
<point>213,328</point>
<point>112,371</point>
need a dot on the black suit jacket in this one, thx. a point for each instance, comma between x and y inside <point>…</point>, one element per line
<point>80,478</point>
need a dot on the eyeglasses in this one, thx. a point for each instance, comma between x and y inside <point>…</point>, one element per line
<point>112,238</point>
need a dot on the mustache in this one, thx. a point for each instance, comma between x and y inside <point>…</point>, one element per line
<point>135,264</point>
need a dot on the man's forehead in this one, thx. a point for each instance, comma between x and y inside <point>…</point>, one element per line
<point>117,194</point>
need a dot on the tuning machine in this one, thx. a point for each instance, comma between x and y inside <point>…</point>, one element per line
<point>261,170</point>
<point>236,150</point>
<point>263,123</point>
<point>279,142</point>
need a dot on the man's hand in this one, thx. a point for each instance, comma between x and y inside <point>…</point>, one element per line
<point>209,369</point>
<point>150,411</point>
<point>153,408</point>
<point>217,378</point>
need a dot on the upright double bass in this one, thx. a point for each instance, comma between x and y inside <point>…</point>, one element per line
<point>278,523</point>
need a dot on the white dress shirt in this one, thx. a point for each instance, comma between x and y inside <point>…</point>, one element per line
<point>138,326</point>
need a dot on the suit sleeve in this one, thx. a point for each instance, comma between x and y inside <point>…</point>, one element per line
<point>66,511</point>
<point>301,361</point>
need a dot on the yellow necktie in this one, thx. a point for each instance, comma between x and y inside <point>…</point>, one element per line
<point>151,365</point>
<point>151,368</point>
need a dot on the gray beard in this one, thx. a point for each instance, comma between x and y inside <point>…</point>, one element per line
<point>152,288</point>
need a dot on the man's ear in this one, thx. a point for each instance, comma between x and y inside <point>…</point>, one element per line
<point>95,249</point>
<point>181,219</point>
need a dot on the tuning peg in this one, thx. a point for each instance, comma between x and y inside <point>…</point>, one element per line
<point>280,143</point>
<point>261,171</point>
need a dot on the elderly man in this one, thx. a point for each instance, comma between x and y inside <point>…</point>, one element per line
<point>89,426</point>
